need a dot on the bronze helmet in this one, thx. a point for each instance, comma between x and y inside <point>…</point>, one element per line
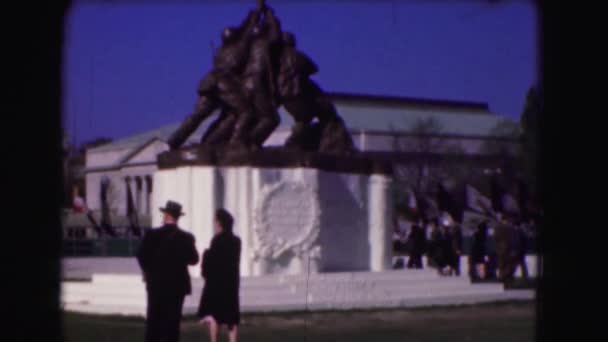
<point>289,39</point>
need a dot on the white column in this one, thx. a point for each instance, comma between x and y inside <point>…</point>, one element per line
<point>243,227</point>
<point>233,201</point>
<point>141,199</point>
<point>256,268</point>
<point>149,194</point>
<point>204,204</point>
<point>128,185</point>
<point>143,209</point>
<point>380,218</point>
<point>363,141</point>
<point>164,183</point>
<point>182,193</point>
<point>231,190</point>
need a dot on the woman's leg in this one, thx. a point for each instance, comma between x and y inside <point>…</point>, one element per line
<point>232,333</point>
<point>212,327</point>
<point>213,330</point>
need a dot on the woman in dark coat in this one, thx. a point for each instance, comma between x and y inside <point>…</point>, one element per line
<point>456,248</point>
<point>445,252</point>
<point>418,246</point>
<point>479,253</point>
<point>219,303</point>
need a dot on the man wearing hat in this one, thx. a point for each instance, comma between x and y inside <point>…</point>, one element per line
<point>164,256</point>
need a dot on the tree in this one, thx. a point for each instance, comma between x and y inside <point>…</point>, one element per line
<point>506,134</point>
<point>421,175</point>
<point>74,163</point>
<point>423,138</point>
<point>529,137</point>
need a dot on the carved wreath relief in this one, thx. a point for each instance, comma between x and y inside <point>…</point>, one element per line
<point>287,219</point>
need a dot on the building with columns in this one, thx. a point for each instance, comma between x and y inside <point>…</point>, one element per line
<point>388,126</point>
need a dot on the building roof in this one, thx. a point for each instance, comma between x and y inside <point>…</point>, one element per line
<point>363,113</point>
<point>383,100</point>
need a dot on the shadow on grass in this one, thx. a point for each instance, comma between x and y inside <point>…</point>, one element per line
<point>489,322</point>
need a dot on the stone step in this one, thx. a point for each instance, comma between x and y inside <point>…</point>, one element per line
<point>385,282</point>
<point>359,302</point>
<point>346,297</point>
<point>399,295</point>
<point>117,279</point>
<point>137,289</point>
<point>80,267</point>
<point>246,283</point>
<point>282,279</point>
<point>126,310</point>
<point>396,293</point>
<point>344,276</point>
<point>132,310</point>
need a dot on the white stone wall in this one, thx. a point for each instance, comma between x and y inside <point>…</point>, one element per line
<point>289,220</point>
<point>104,158</point>
<point>149,153</point>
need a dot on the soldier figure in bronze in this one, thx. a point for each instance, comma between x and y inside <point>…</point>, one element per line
<point>255,126</point>
<point>257,69</point>
<point>304,100</point>
<point>222,86</point>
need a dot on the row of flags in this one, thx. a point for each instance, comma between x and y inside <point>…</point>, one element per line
<point>106,227</point>
<point>463,201</point>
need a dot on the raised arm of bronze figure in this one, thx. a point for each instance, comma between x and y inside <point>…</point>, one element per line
<point>204,108</point>
<point>274,25</point>
<point>260,5</point>
<point>305,65</point>
<point>252,19</point>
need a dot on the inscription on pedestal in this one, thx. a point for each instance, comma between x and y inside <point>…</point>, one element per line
<point>287,219</point>
<point>288,213</point>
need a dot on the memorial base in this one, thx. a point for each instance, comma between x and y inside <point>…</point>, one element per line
<point>290,220</point>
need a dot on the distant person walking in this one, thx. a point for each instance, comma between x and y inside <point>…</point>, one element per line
<point>491,250</point>
<point>445,250</point>
<point>479,253</point>
<point>503,237</point>
<point>456,248</point>
<point>219,303</point>
<point>432,235</point>
<point>164,256</point>
<point>519,249</point>
<point>418,245</point>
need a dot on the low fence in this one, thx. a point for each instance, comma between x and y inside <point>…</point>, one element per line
<point>100,247</point>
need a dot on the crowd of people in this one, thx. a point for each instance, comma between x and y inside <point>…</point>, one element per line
<point>497,247</point>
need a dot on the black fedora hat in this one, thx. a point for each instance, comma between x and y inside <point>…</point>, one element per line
<point>173,208</point>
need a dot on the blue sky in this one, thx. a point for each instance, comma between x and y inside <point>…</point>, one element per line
<point>134,66</point>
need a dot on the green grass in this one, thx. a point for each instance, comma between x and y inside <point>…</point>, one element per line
<point>521,283</point>
<point>502,322</point>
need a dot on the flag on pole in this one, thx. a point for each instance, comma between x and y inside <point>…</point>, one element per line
<point>106,223</point>
<point>475,201</point>
<point>447,202</point>
<point>132,212</point>
<point>496,194</point>
<point>509,205</point>
<point>427,207</point>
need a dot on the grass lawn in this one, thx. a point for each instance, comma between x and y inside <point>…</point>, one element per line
<point>511,322</point>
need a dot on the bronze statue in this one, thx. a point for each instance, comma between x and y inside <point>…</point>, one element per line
<point>257,69</point>
<point>305,101</point>
<point>255,126</point>
<point>222,86</point>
